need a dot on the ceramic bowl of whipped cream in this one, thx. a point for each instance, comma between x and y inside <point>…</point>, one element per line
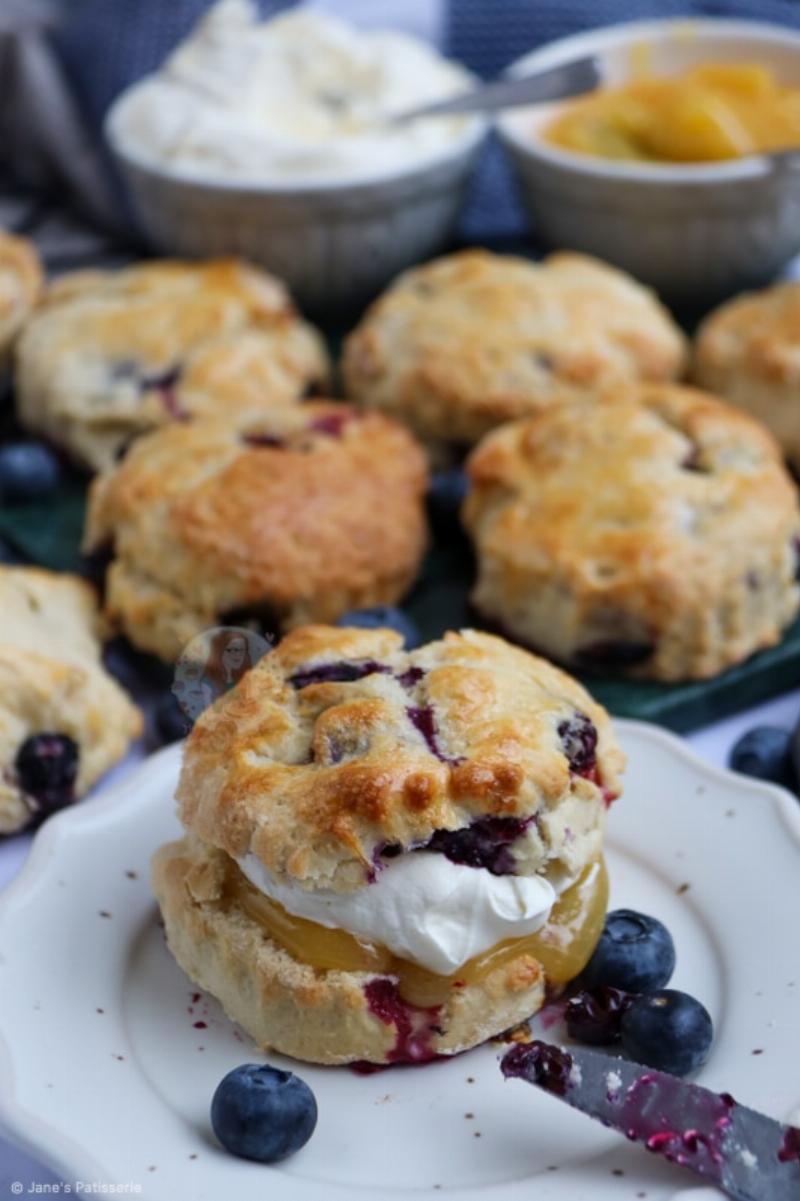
<point>271,139</point>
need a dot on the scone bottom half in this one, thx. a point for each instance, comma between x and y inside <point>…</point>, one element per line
<point>340,761</point>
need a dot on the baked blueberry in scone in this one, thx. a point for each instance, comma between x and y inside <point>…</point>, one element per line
<point>63,720</point>
<point>654,534</point>
<point>110,355</point>
<point>303,515</point>
<point>390,855</point>
<point>748,350</point>
<point>460,345</point>
<point>20,285</point>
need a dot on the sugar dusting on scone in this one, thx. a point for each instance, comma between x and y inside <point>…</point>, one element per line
<point>63,720</point>
<point>110,355</point>
<point>383,845</point>
<point>458,346</point>
<point>656,534</point>
<point>300,516</point>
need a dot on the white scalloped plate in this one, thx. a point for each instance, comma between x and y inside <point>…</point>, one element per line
<point>109,1058</point>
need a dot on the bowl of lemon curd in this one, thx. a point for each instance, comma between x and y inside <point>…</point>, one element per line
<point>663,169</point>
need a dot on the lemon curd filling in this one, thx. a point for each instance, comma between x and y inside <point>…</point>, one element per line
<point>712,111</point>
<point>562,946</point>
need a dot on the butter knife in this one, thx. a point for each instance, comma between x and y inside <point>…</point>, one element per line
<point>555,83</point>
<point>749,1156</point>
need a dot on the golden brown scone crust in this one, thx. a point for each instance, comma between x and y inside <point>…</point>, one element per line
<point>204,522</point>
<point>661,519</point>
<point>20,285</point>
<point>748,351</point>
<point>462,344</point>
<point>52,681</point>
<point>112,354</point>
<point>315,778</point>
<point>288,1006</point>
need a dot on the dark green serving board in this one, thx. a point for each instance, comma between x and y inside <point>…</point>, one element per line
<point>49,534</point>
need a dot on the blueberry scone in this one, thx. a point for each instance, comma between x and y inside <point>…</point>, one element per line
<point>20,284</point>
<point>63,720</point>
<point>390,855</point>
<point>315,510</point>
<point>748,351</point>
<point>656,534</point>
<point>465,343</point>
<point>112,354</point>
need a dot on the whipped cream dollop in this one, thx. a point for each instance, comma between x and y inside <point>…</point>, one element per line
<point>303,96</point>
<point>422,907</point>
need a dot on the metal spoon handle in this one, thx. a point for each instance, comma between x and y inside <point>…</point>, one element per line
<point>569,79</point>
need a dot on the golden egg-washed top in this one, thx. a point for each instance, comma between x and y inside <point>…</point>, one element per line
<point>311,504</point>
<point>111,354</point>
<point>757,333</point>
<point>474,339</point>
<point>340,743</point>
<point>661,498</point>
<point>20,284</point>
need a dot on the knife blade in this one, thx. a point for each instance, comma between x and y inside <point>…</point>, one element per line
<point>748,1155</point>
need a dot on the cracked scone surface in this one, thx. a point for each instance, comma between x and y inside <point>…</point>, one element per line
<point>311,511</point>
<point>20,285</point>
<point>52,681</point>
<point>112,354</point>
<point>655,535</point>
<point>469,341</point>
<point>319,760</point>
<point>748,351</point>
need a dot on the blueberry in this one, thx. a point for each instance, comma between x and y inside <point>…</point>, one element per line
<point>447,493</point>
<point>595,1015</point>
<point>635,953</point>
<point>46,767</point>
<point>259,1112</point>
<point>579,740</point>
<point>28,470</point>
<point>668,1030</point>
<point>764,753</point>
<point>172,724</point>
<point>383,617</point>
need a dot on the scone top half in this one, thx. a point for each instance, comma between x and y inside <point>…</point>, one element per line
<point>341,751</point>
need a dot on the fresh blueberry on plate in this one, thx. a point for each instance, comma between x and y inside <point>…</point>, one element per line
<point>447,493</point>
<point>635,953</point>
<point>667,1030</point>
<point>172,724</point>
<point>383,617</point>
<point>594,1016</point>
<point>765,754</point>
<point>46,767</point>
<point>28,470</point>
<point>261,1113</point>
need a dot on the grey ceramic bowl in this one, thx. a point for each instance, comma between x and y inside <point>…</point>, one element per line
<point>334,244</point>
<point>696,233</point>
